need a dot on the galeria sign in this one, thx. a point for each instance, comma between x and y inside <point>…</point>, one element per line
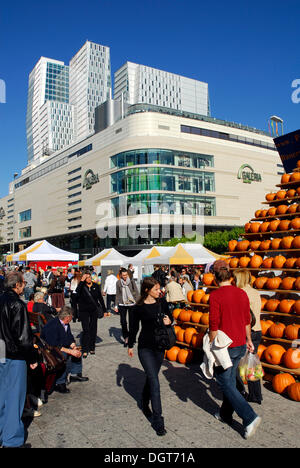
<point>248,175</point>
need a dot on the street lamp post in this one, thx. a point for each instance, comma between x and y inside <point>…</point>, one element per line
<point>14,221</point>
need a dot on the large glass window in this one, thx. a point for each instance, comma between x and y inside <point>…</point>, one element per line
<point>159,203</point>
<point>162,178</point>
<point>25,216</point>
<point>25,232</point>
<point>161,156</point>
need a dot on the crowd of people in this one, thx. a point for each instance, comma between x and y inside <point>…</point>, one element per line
<point>24,382</point>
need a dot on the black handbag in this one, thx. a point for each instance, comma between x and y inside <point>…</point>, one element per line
<point>50,356</point>
<point>164,335</point>
<point>100,313</point>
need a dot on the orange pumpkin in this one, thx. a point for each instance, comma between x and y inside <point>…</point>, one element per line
<point>291,193</point>
<point>232,245</point>
<point>264,227</point>
<point>172,353</point>
<point>267,263</point>
<point>243,245</point>
<point>290,263</point>
<point>282,381</point>
<point>189,332</point>
<point>265,325</point>
<point>243,262</point>
<point>260,350</point>
<point>254,245</point>
<point>197,340</point>
<point>273,354</point>
<point>279,261</point>
<point>185,356</point>
<point>176,313</point>
<point>286,306</point>
<point>296,243</point>
<point>197,295</point>
<point>274,225</point>
<point>291,359</point>
<point>286,242</point>
<point>285,178</point>
<point>294,391</point>
<point>260,282</point>
<point>272,211</point>
<point>205,299</point>
<point>263,213</point>
<point>196,316</point>
<point>205,318</point>
<point>208,279</point>
<point>296,307</point>
<point>288,282</point>
<point>276,330</point>
<point>292,331</point>
<point>293,208</point>
<point>185,315</point>
<point>295,177</point>
<point>257,213</point>
<point>180,335</point>
<point>272,305</point>
<point>276,244</point>
<point>295,223</point>
<point>284,225</point>
<point>263,302</point>
<point>280,195</point>
<point>270,196</point>
<point>247,227</point>
<point>190,295</point>
<point>281,209</point>
<point>273,283</point>
<point>254,227</point>
<point>256,261</point>
<point>297,283</point>
<point>233,263</point>
<point>265,244</point>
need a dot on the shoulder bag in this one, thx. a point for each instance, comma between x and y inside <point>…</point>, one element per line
<point>164,335</point>
<point>50,356</point>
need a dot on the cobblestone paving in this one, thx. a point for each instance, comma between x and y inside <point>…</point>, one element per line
<point>104,411</point>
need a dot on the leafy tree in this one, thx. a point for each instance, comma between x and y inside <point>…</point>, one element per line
<point>217,241</point>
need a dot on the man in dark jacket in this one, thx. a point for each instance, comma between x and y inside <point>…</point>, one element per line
<point>58,333</point>
<point>16,345</point>
<point>91,307</point>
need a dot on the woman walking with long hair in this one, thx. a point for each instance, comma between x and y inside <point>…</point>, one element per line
<point>147,312</point>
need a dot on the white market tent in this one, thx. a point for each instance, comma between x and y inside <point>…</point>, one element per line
<point>184,254</point>
<point>107,257</point>
<point>145,254</point>
<point>43,251</point>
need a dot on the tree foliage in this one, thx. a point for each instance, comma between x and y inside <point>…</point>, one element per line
<point>217,241</point>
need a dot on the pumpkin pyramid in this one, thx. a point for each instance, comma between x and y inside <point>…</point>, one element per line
<point>270,250</point>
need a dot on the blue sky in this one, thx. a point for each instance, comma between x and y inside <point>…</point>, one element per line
<point>247,52</point>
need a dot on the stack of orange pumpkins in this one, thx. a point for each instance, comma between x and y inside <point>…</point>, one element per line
<point>271,241</point>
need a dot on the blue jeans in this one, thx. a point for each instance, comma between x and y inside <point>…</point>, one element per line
<point>151,361</point>
<point>13,384</point>
<point>232,399</point>
<point>27,293</point>
<point>73,367</point>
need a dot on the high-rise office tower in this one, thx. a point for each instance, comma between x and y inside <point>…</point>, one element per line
<point>62,99</point>
<point>90,85</point>
<point>141,84</point>
<point>49,119</point>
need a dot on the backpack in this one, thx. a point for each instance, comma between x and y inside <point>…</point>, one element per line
<point>47,278</point>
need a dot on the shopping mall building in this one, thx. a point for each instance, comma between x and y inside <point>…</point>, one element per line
<point>146,174</point>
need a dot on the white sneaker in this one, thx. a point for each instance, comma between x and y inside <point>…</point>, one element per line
<point>251,428</point>
<point>31,413</point>
<point>36,401</point>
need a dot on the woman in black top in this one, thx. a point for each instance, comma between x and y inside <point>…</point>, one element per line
<point>146,312</point>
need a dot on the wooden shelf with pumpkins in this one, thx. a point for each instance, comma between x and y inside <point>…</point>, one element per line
<point>270,250</point>
<point>191,324</point>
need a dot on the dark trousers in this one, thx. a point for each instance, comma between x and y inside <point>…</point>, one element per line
<point>151,361</point>
<point>89,320</point>
<point>254,388</point>
<point>232,398</point>
<point>110,299</point>
<point>74,305</point>
<point>124,311</point>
